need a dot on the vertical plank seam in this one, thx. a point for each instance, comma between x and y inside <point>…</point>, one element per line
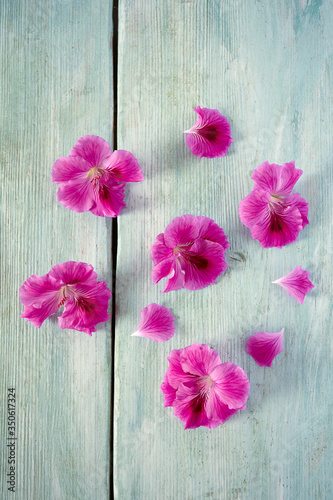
<point>114,238</point>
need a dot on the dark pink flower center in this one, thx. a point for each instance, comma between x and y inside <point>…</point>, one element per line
<point>189,257</point>
<point>96,173</point>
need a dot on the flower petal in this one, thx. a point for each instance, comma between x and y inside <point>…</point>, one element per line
<point>202,264</point>
<point>162,269</point>
<point>87,308</point>
<point>296,283</point>
<point>93,149</point>
<point>176,280</point>
<point>37,290</point>
<point>77,195</point>
<point>109,199</point>
<point>189,407</point>
<point>69,169</point>
<point>123,166</point>
<point>159,251</point>
<point>279,226</point>
<point>231,385</point>
<point>278,180</point>
<point>181,231</point>
<point>209,230</point>
<point>199,359</point>
<point>175,374</point>
<point>253,208</point>
<point>157,323</point>
<point>71,272</point>
<point>263,347</point>
<point>296,201</point>
<point>210,136</point>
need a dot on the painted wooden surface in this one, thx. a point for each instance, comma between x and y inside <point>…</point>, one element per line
<point>56,86</point>
<point>267,66</point>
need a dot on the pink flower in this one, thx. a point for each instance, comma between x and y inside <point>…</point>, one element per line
<point>210,136</point>
<point>263,347</point>
<point>296,283</point>
<point>191,252</point>
<point>274,215</point>
<point>93,177</point>
<point>73,285</point>
<point>201,389</point>
<point>157,323</point>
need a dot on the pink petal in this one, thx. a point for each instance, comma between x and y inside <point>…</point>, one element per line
<point>279,227</point>
<point>109,199</point>
<point>175,374</point>
<point>209,230</point>
<point>124,167</point>
<point>93,149</point>
<point>296,201</point>
<point>87,308</point>
<point>181,231</point>
<point>157,323</point>
<point>72,272</point>
<point>271,220</point>
<point>69,169</point>
<point>210,136</point>
<point>159,251</point>
<point>202,264</point>
<point>278,180</point>
<point>231,385</point>
<point>189,407</point>
<point>39,289</point>
<point>163,269</point>
<point>296,283</point>
<point>176,279</point>
<point>199,359</point>
<point>77,195</point>
<point>253,208</point>
<point>263,347</point>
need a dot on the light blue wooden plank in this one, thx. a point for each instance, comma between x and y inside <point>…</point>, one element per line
<point>56,86</point>
<point>267,67</point>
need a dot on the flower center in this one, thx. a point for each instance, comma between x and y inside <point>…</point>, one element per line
<point>95,173</point>
<point>64,293</point>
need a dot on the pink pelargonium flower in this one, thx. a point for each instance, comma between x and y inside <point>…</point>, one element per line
<point>210,136</point>
<point>201,389</point>
<point>296,283</point>
<point>191,252</point>
<point>263,347</point>
<point>93,177</point>
<point>73,285</point>
<point>274,215</point>
<point>157,323</point>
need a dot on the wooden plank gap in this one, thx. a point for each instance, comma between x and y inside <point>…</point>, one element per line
<point>114,234</point>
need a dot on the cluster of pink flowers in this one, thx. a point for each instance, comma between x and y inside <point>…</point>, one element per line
<point>190,253</point>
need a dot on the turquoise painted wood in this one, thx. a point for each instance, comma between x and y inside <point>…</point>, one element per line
<point>56,86</point>
<point>267,66</point>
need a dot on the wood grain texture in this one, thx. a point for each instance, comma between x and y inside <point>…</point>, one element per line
<point>56,86</point>
<point>267,66</point>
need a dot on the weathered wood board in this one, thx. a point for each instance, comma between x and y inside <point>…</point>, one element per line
<point>56,86</point>
<point>267,66</point>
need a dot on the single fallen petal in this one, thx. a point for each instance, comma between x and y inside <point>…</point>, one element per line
<point>157,323</point>
<point>210,136</point>
<point>202,390</point>
<point>296,283</point>
<point>263,347</point>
